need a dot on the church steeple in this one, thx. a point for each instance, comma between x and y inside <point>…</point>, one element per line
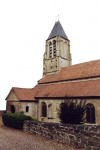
<point>57,50</point>
<point>57,31</point>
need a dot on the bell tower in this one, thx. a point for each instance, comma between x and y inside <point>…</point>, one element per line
<point>57,50</point>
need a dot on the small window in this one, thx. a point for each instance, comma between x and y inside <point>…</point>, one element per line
<point>27,108</point>
<point>90,113</point>
<point>44,109</point>
<point>13,110</point>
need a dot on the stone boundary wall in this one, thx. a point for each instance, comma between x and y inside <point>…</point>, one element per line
<point>86,137</point>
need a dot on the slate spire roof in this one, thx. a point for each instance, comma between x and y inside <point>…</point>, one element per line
<point>58,31</point>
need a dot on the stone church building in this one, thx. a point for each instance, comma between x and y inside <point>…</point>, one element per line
<point>61,81</point>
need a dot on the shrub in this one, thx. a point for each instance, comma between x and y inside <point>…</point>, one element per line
<point>72,112</point>
<point>14,120</point>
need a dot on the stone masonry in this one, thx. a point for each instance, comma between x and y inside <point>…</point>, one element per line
<point>80,136</point>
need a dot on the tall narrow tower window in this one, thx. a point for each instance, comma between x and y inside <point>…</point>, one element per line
<point>54,48</point>
<point>50,49</point>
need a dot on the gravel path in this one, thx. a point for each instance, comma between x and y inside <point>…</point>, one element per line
<point>11,139</point>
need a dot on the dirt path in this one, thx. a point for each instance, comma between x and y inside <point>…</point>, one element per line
<point>11,139</point>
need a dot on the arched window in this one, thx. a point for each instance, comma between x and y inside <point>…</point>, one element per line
<point>54,48</point>
<point>50,111</point>
<point>50,49</point>
<point>27,108</point>
<point>44,109</point>
<point>12,109</point>
<point>90,113</point>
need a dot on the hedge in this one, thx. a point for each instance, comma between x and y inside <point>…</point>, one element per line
<point>14,120</point>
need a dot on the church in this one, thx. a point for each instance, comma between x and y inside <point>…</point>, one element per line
<point>61,81</point>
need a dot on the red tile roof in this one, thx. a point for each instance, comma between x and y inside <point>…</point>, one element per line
<point>79,71</point>
<point>86,88</point>
<point>70,89</point>
<point>24,94</point>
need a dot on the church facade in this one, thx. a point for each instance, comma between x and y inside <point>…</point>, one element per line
<point>61,81</point>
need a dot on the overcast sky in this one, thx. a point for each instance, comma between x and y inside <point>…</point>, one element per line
<point>26,24</point>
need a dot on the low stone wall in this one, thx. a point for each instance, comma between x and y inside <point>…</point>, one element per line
<point>79,136</point>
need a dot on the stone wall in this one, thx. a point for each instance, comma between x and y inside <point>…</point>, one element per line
<point>79,136</point>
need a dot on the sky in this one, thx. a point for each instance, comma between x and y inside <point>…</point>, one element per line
<point>26,24</point>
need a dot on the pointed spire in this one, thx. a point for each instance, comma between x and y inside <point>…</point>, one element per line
<point>58,31</point>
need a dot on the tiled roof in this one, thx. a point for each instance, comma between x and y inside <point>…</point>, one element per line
<point>24,94</point>
<point>57,31</point>
<point>79,71</point>
<point>86,88</point>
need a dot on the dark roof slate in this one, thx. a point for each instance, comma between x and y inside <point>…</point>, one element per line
<point>58,31</point>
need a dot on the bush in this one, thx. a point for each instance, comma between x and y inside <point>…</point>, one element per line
<point>72,112</point>
<point>14,120</point>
